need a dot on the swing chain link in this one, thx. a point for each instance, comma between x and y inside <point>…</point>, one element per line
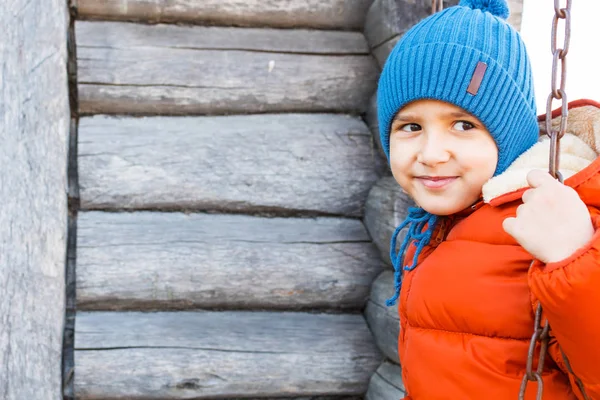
<point>436,6</point>
<point>541,333</point>
<point>558,87</point>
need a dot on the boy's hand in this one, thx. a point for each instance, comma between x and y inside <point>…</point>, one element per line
<point>553,222</point>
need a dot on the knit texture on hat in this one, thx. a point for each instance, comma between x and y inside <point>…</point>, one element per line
<point>436,60</point>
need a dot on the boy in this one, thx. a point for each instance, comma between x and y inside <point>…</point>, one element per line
<point>494,235</point>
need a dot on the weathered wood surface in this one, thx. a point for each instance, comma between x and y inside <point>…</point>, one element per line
<point>386,383</point>
<point>383,320</point>
<point>373,124</point>
<point>321,14</point>
<point>185,355</point>
<point>148,260</point>
<point>382,51</point>
<point>386,208</point>
<point>173,70</point>
<point>282,163</point>
<point>116,35</point>
<point>34,128</point>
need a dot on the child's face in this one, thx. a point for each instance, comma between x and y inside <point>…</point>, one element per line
<point>441,155</point>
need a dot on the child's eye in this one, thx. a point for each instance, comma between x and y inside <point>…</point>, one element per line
<point>411,128</point>
<point>463,126</point>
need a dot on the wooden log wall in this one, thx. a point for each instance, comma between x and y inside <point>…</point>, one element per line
<point>318,163</point>
<point>312,14</point>
<point>203,355</point>
<point>384,320</point>
<point>34,127</point>
<point>386,208</point>
<point>387,204</point>
<point>289,263</point>
<point>385,383</point>
<point>224,169</point>
<point>163,69</point>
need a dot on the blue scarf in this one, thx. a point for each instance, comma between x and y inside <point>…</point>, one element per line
<point>416,220</point>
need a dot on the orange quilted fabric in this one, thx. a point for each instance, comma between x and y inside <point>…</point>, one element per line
<point>467,310</point>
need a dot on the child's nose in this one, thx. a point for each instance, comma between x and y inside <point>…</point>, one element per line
<point>434,150</point>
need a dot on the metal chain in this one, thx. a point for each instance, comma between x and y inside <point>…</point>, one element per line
<point>541,333</point>
<point>437,5</point>
<point>558,87</point>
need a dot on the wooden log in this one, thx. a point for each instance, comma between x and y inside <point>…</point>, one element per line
<point>34,127</point>
<point>315,163</point>
<point>145,70</point>
<point>201,355</point>
<point>386,208</point>
<point>382,51</point>
<point>386,383</point>
<point>373,124</point>
<point>383,320</point>
<point>330,14</point>
<point>116,35</point>
<point>222,261</point>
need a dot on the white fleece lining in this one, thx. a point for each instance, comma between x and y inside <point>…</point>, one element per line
<point>575,155</point>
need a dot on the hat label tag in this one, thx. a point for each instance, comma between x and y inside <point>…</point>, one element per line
<point>477,78</point>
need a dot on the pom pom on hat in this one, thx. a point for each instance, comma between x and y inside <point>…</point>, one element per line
<point>499,8</point>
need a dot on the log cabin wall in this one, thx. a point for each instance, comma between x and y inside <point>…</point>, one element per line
<point>229,192</point>
<point>387,205</point>
<point>223,169</point>
<point>34,133</point>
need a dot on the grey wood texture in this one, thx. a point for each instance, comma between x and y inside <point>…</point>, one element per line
<point>34,128</point>
<point>282,163</point>
<point>373,124</point>
<point>382,51</point>
<point>127,68</point>
<point>386,208</point>
<point>383,320</point>
<point>117,35</point>
<point>148,260</point>
<point>184,355</point>
<point>386,383</point>
<point>322,14</point>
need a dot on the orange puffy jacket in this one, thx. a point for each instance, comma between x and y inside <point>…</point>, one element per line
<point>467,310</point>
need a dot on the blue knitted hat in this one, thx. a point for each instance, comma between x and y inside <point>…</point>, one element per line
<point>437,59</point>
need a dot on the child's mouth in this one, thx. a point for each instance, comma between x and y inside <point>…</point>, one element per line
<point>436,182</point>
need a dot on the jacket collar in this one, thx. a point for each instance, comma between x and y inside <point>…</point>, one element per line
<point>579,152</point>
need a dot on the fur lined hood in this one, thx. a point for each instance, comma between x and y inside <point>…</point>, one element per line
<point>579,161</point>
